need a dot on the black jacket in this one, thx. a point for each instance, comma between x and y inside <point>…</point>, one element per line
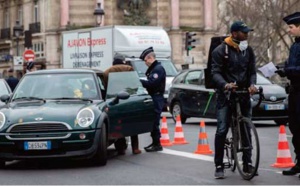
<point>156,79</point>
<point>292,66</point>
<point>12,82</point>
<point>239,68</point>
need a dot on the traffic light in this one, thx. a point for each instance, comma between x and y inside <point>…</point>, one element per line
<point>189,40</point>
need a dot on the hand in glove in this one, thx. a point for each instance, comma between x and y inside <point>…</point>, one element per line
<point>281,72</point>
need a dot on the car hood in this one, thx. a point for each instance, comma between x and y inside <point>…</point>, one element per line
<point>40,111</point>
<point>273,90</point>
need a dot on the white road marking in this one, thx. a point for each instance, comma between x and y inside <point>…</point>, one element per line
<point>188,155</point>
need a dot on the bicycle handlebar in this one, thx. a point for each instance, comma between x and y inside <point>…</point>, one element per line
<point>245,91</point>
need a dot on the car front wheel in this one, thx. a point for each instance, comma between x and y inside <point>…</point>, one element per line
<point>176,110</point>
<point>100,158</point>
<point>281,121</point>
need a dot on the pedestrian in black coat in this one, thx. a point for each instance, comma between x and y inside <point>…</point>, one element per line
<point>11,80</point>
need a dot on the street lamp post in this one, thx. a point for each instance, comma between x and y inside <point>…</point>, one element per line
<point>99,12</point>
<point>18,30</point>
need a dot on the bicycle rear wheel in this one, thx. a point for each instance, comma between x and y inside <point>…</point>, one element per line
<point>246,149</point>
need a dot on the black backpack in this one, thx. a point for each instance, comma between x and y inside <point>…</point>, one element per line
<point>215,41</point>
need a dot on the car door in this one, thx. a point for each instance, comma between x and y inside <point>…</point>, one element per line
<point>208,99</point>
<point>130,116</point>
<point>191,104</point>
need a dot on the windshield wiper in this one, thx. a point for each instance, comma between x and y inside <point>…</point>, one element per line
<point>68,98</point>
<point>30,98</point>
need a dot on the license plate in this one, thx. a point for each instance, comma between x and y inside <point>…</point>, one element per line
<point>37,145</point>
<point>274,107</point>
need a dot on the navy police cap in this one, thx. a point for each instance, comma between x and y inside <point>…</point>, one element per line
<point>292,18</point>
<point>146,52</point>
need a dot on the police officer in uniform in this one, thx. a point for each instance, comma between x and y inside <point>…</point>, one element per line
<point>292,72</point>
<point>155,85</point>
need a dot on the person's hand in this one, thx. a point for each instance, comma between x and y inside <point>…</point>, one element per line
<point>232,86</point>
<point>281,72</point>
<point>252,89</point>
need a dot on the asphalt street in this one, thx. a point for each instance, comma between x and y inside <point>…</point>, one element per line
<point>175,165</point>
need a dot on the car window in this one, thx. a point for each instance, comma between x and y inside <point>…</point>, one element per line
<point>141,68</point>
<point>124,81</point>
<point>262,80</point>
<point>3,88</point>
<point>49,86</point>
<point>179,79</point>
<point>193,78</point>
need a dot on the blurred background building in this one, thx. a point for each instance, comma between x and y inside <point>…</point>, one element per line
<point>44,20</point>
<point>37,25</point>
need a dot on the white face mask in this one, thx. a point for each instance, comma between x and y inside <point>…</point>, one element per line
<point>243,45</point>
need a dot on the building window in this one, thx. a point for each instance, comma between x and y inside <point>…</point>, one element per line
<point>4,55</point>
<point>38,50</point>
<point>36,16</point>
<point>20,15</point>
<point>6,18</point>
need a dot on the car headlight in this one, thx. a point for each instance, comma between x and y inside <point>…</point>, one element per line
<point>2,120</point>
<point>85,117</point>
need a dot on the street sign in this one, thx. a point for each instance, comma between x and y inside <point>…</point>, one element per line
<point>18,60</point>
<point>28,55</point>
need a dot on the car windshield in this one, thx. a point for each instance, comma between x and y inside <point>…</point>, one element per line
<point>57,86</point>
<point>124,81</point>
<point>3,88</point>
<point>141,67</point>
<point>262,80</point>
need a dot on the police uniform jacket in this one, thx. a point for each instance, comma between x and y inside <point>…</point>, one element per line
<point>292,65</point>
<point>156,79</point>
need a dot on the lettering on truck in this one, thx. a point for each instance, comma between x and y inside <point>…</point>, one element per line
<point>86,42</point>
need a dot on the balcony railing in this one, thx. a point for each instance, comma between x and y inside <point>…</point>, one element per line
<point>5,33</point>
<point>35,27</point>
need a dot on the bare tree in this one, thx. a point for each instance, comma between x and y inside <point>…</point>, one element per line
<point>269,40</point>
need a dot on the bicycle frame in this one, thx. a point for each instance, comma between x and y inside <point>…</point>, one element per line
<point>241,140</point>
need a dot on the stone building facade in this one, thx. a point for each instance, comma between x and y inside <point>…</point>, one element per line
<point>46,19</point>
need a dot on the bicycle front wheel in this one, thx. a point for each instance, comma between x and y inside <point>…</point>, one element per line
<point>246,149</point>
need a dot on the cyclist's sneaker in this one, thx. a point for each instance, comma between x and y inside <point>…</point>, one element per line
<point>219,174</point>
<point>249,169</point>
<point>292,171</point>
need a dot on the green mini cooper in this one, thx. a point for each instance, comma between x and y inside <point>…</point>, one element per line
<point>68,113</point>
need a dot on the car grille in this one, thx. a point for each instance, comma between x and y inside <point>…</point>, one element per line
<point>38,130</point>
<point>272,102</point>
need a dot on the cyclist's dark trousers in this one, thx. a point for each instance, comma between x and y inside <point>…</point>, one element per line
<point>223,120</point>
<point>294,121</point>
<point>158,101</point>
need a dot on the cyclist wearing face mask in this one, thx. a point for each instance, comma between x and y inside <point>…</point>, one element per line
<point>237,72</point>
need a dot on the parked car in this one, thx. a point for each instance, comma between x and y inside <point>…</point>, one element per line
<point>189,98</point>
<point>67,113</point>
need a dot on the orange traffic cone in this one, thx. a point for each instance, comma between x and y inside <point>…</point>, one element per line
<point>284,158</point>
<point>164,139</point>
<point>203,146</point>
<point>179,136</point>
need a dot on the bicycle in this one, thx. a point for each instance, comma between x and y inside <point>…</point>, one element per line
<point>242,143</point>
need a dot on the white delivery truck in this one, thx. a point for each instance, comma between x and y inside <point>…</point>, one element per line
<point>96,48</point>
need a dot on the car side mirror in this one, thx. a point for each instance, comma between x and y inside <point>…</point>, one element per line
<point>120,95</point>
<point>4,98</point>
